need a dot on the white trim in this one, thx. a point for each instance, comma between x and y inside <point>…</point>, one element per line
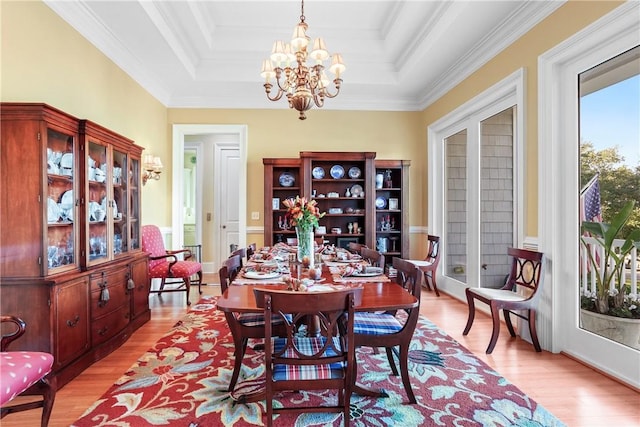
<point>507,93</point>
<point>558,186</point>
<point>179,133</point>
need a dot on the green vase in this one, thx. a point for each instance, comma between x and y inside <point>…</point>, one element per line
<point>305,245</point>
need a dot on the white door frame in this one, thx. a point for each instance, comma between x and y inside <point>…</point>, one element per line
<point>179,133</point>
<point>501,96</point>
<point>559,187</point>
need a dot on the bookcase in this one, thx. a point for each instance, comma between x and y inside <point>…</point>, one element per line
<point>344,186</point>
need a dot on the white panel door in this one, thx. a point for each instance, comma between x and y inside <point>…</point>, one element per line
<point>228,177</point>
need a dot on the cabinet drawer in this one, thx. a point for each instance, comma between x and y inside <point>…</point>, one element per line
<point>110,278</point>
<point>107,326</point>
<point>118,297</point>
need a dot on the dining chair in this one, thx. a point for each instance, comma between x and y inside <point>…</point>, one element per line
<point>355,248</point>
<point>251,249</point>
<point>375,258</point>
<point>299,363</point>
<point>24,373</point>
<point>243,326</point>
<point>390,331</point>
<point>165,265</point>
<point>429,265</point>
<point>242,253</point>
<point>519,296</point>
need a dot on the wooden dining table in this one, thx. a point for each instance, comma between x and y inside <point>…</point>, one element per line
<point>376,296</point>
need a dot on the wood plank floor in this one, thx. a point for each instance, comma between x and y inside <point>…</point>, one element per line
<point>576,394</point>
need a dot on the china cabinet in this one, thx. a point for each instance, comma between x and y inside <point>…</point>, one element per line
<point>344,186</point>
<point>71,265</point>
<point>391,208</point>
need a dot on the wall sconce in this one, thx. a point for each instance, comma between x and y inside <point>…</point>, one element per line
<point>152,167</point>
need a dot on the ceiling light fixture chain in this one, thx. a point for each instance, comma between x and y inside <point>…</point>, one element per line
<point>304,84</point>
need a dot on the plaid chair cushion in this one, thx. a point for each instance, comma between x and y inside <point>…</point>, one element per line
<point>375,324</point>
<point>306,345</point>
<point>257,319</point>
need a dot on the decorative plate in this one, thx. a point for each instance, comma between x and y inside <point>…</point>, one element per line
<point>260,275</point>
<point>337,171</point>
<point>355,172</point>
<point>318,172</point>
<point>286,179</point>
<point>66,201</point>
<point>356,191</point>
<point>53,210</point>
<point>381,202</point>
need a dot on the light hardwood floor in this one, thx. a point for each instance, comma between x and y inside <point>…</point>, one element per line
<point>576,394</point>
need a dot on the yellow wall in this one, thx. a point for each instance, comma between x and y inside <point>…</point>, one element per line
<point>524,53</point>
<point>43,59</point>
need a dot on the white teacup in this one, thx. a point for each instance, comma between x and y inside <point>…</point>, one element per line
<point>92,174</point>
<point>101,176</point>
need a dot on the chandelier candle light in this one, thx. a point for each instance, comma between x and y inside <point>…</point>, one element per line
<point>304,84</point>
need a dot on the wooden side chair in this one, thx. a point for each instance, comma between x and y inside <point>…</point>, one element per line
<point>24,372</point>
<point>242,253</point>
<point>429,264</point>
<point>521,292</point>
<point>295,363</point>
<point>165,265</point>
<point>355,248</point>
<point>243,325</point>
<point>388,331</point>
<point>374,257</point>
<point>251,249</point>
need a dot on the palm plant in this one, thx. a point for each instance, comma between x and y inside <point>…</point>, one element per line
<point>612,265</point>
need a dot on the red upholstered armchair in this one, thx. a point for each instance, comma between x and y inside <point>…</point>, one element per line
<point>165,265</point>
<point>24,372</point>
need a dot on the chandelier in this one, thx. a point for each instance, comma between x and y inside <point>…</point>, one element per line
<point>305,84</point>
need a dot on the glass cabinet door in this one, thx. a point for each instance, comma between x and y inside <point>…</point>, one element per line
<point>120,204</point>
<point>133,219</point>
<point>98,207</point>
<point>62,208</point>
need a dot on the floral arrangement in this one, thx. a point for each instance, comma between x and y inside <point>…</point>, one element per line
<point>302,213</point>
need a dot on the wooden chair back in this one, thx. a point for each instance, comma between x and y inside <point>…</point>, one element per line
<point>229,271</point>
<point>374,257</point>
<point>327,360</point>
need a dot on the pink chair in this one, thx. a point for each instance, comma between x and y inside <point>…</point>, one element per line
<point>24,372</point>
<point>165,264</point>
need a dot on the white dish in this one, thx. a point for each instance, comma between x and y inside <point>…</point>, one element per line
<point>66,161</point>
<point>318,172</point>
<point>324,288</point>
<point>366,274</point>
<point>53,210</point>
<point>286,180</point>
<point>355,172</point>
<point>381,202</point>
<point>337,171</point>
<point>101,176</point>
<point>115,209</point>
<point>67,201</point>
<point>260,275</point>
<point>356,191</point>
<point>93,207</point>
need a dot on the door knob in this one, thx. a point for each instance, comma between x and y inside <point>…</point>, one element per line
<point>224,226</point>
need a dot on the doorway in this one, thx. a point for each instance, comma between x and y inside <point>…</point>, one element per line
<point>476,168</point>
<point>559,71</point>
<point>214,183</point>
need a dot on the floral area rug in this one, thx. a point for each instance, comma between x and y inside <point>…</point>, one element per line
<point>182,381</point>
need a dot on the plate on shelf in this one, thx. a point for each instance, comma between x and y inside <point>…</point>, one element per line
<point>53,210</point>
<point>355,172</point>
<point>66,201</point>
<point>286,179</point>
<point>356,191</point>
<point>318,172</point>
<point>381,202</point>
<point>260,275</point>
<point>337,172</point>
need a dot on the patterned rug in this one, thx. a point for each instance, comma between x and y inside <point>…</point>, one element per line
<point>182,381</point>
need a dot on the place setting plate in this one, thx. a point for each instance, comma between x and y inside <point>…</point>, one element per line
<point>261,274</point>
